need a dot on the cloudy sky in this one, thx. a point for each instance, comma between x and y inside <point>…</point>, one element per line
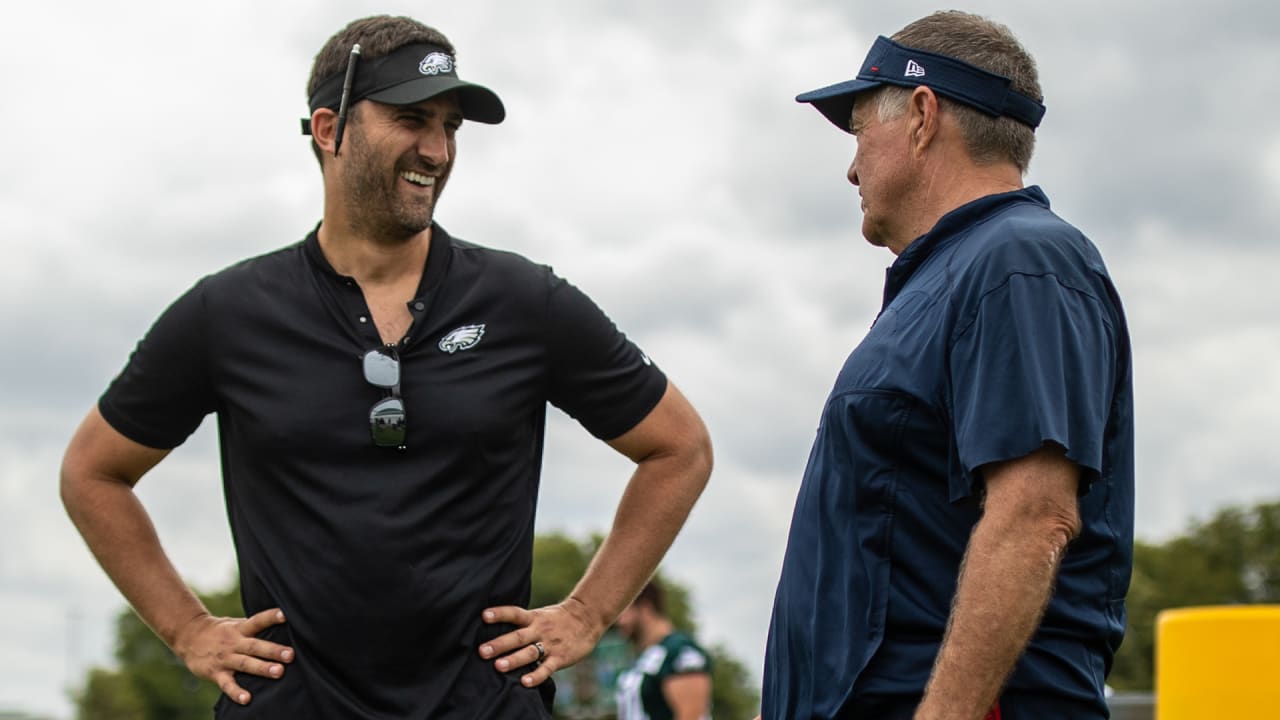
<point>654,156</point>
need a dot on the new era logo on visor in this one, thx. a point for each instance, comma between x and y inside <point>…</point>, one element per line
<point>914,69</point>
<point>435,63</point>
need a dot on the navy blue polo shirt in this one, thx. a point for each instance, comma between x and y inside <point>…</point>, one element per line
<point>1000,332</point>
<point>382,559</point>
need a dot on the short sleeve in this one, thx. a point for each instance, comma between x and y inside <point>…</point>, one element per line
<point>1036,365</point>
<point>688,660</point>
<point>598,376</point>
<point>164,391</point>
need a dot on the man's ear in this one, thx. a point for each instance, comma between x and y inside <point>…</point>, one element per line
<point>324,128</point>
<point>922,118</point>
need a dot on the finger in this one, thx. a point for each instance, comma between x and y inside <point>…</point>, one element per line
<point>507,614</point>
<point>227,684</point>
<point>267,650</point>
<point>253,666</point>
<point>540,674</point>
<point>509,642</point>
<point>261,621</point>
<point>526,655</point>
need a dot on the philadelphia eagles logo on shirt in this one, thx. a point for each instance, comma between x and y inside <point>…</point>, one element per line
<point>464,338</point>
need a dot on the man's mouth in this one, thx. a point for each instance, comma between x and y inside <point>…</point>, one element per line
<point>418,178</point>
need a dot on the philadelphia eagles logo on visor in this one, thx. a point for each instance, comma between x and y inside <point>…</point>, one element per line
<point>435,63</point>
<point>464,338</point>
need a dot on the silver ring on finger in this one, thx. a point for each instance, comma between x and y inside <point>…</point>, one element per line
<point>541,651</point>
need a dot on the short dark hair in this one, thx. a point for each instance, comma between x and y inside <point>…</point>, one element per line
<point>377,36</point>
<point>992,47</point>
<point>654,596</point>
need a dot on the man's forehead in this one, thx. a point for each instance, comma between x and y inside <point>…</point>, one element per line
<point>862,105</point>
<point>444,102</point>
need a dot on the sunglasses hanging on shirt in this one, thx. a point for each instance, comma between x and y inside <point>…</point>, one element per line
<point>387,417</point>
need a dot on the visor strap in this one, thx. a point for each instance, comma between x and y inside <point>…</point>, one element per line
<point>894,64</point>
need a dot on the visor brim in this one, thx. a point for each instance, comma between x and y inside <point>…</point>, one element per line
<point>478,103</point>
<point>835,102</point>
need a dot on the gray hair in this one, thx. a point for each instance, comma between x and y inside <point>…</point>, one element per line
<point>992,47</point>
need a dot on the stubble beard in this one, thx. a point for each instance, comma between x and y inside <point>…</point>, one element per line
<point>376,204</point>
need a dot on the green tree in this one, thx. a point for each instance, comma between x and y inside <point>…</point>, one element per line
<point>733,691</point>
<point>108,695</point>
<point>1233,558</point>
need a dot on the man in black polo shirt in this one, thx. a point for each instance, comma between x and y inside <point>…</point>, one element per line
<point>381,391</point>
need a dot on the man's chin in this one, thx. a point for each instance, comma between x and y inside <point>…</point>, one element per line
<point>413,224</point>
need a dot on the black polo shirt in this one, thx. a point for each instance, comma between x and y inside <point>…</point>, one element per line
<point>382,559</point>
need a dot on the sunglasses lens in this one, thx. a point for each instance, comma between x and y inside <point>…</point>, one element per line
<point>386,420</point>
<point>381,369</point>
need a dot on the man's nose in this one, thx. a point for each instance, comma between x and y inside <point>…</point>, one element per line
<point>433,145</point>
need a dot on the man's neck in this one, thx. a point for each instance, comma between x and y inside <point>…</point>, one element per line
<point>656,631</point>
<point>373,261</point>
<point>951,186</point>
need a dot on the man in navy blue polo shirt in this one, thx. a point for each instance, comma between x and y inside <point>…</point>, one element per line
<point>962,540</point>
<point>381,391</point>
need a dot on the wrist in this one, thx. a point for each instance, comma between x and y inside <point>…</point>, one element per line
<point>179,637</point>
<point>593,619</point>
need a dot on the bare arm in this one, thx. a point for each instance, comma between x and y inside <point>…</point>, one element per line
<point>672,451</point>
<point>99,471</point>
<point>688,695</point>
<point>1030,515</point>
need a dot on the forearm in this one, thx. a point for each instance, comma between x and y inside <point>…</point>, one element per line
<point>654,507</point>
<point>1005,583</point>
<point>120,534</point>
<point>672,452</point>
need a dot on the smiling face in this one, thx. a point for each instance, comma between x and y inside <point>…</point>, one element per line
<point>395,162</point>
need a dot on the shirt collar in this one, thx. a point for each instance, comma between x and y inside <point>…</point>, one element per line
<point>949,226</point>
<point>437,259</point>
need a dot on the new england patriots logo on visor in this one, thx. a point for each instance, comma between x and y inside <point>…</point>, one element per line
<point>435,63</point>
<point>464,338</point>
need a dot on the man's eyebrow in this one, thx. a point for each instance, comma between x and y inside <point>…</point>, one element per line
<point>421,111</point>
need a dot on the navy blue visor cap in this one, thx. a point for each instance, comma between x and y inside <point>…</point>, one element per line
<point>889,63</point>
<point>408,75</point>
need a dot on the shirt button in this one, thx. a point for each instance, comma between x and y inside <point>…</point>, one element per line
<point>364,319</point>
<point>419,306</point>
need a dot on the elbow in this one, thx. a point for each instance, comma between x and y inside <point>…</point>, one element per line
<point>702,456</point>
<point>82,487</point>
<point>1058,526</point>
<point>72,487</point>
<point>68,482</point>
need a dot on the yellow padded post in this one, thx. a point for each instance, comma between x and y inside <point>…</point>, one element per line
<point>1218,662</point>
